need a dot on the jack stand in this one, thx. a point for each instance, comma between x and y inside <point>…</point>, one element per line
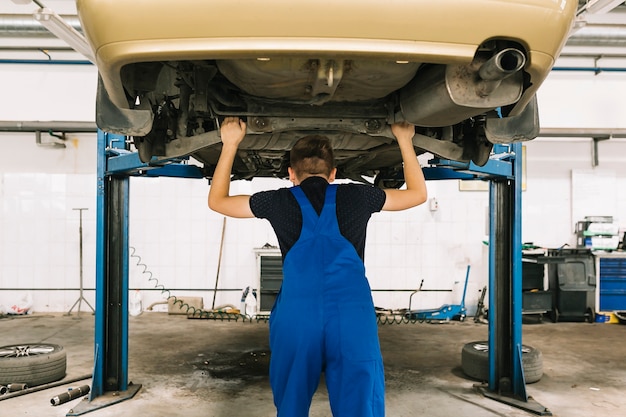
<point>81,298</point>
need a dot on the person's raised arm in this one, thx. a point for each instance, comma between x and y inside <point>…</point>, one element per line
<point>415,192</point>
<point>232,131</point>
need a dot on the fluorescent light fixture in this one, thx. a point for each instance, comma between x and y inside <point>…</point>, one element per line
<point>62,30</point>
<point>600,6</point>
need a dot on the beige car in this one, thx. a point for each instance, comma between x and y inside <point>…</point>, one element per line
<point>464,72</point>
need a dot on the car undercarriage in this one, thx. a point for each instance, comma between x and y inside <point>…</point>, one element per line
<point>459,110</point>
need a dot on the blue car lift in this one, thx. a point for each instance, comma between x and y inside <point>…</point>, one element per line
<point>504,173</point>
<point>116,164</point>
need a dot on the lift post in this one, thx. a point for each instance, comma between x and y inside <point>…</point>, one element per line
<point>116,164</point>
<point>506,372</point>
<point>110,372</point>
<point>504,172</point>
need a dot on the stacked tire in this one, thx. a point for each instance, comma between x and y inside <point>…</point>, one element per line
<point>32,364</point>
<point>475,362</point>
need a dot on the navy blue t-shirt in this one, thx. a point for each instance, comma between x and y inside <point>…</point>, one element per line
<point>355,205</point>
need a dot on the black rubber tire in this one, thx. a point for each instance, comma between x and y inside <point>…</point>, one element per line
<point>475,362</point>
<point>32,364</point>
<point>555,315</point>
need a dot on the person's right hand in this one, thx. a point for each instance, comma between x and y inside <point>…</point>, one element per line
<point>232,131</point>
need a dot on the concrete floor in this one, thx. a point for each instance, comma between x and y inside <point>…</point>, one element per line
<point>219,369</point>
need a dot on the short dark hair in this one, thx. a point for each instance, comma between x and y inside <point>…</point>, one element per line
<point>312,155</point>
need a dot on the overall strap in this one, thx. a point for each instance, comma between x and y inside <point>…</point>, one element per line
<point>311,222</point>
<point>309,215</point>
<point>328,216</point>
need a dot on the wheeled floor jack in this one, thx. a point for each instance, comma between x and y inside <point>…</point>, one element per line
<point>446,312</point>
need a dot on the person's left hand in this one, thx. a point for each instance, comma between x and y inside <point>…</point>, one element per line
<point>403,131</point>
<point>232,131</point>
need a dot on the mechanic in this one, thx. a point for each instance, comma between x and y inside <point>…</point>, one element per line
<point>323,319</point>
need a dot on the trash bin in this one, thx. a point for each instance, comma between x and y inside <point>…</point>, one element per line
<point>572,281</point>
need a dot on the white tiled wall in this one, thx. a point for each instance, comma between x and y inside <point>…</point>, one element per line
<point>178,237</point>
<point>39,230</point>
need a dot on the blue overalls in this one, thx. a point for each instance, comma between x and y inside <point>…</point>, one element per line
<point>324,320</point>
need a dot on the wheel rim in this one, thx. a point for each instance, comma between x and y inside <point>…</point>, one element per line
<point>25,350</point>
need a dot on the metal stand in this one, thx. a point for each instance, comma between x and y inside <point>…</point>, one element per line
<point>504,172</point>
<point>116,164</point>
<point>81,298</point>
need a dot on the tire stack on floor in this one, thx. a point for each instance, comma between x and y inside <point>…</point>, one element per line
<point>475,361</point>
<point>31,364</point>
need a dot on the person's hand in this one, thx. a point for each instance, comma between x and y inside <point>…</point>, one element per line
<point>415,192</point>
<point>403,131</point>
<point>232,131</point>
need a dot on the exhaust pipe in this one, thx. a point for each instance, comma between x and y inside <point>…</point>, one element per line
<point>500,66</point>
<point>444,95</point>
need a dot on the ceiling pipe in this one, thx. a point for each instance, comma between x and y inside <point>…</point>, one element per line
<point>66,127</point>
<point>25,26</point>
<point>55,132</point>
<point>598,6</point>
<point>596,70</point>
<point>35,49</point>
<point>599,35</point>
<point>45,62</point>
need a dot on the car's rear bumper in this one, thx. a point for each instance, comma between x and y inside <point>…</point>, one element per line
<point>443,31</point>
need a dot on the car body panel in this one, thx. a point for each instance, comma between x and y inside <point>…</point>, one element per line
<point>422,31</point>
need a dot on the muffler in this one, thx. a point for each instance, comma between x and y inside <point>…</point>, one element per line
<point>443,95</point>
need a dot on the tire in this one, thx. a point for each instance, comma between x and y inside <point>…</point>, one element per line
<point>32,364</point>
<point>475,362</point>
<point>555,315</point>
